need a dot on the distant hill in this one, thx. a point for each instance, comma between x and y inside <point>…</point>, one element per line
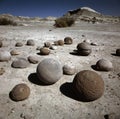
<point>87,14</point>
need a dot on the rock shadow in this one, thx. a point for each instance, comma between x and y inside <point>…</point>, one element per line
<point>114,54</point>
<point>34,79</point>
<point>68,90</point>
<point>74,52</point>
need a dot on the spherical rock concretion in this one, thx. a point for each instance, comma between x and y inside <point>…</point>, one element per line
<point>30,42</point>
<point>88,85</point>
<point>44,51</point>
<point>33,59</point>
<point>69,69</point>
<point>19,44</point>
<point>20,92</point>
<point>49,71</point>
<point>68,40</point>
<point>47,44</point>
<point>14,52</point>
<point>4,56</point>
<point>84,49</point>
<point>20,63</point>
<point>104,65</point>
<point>60,42</point>
<point>118,52</point>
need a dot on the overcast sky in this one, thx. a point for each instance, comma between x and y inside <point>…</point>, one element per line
<point>44,8</point>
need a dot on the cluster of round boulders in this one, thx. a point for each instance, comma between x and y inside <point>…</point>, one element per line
<point>44,51</point>
<point>104,65</point>
<point>88,85</point>
<point>19,44</point>
<point>68,40</point>
<point>14,52</point>
<point>69,69</point>
<point>49,71</point>
<point>33,59</point>
<point>47,44</point>
<point>20,92</point>
<point>20,63</point>
<point>4,56</point>
<point>30,42</point>
<point>118,52</point>
<point>84,49</point>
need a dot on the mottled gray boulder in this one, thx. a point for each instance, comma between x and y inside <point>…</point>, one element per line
<point>20,92</point>
<point>84,49</point>
<point>69,69</point>
<point>68,40</point>
<point>104,65</point>
<point>33,59</point>
<point>4,56</point>
<point>88,85</point>
<point>118,52</point>
<point>49,71</point>
<point>20,63</point>
<point>30,42</point>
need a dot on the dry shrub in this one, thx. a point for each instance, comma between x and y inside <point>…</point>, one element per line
<point>64,22</point>
<point>7,21</point>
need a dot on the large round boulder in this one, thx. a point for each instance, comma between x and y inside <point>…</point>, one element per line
<point>49,71</point>
<point>104,65</point>
<point>88,85</point>
<point>20,92</point>
<point>20,63</point>
<point>4,56</point>
<point>84,49</point>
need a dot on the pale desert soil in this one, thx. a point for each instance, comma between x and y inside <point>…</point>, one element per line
<point>56,101</point>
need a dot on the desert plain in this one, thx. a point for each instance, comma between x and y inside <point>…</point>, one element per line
<point>56,101</point>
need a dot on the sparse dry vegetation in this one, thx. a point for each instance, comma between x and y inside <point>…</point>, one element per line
<point>64,22</point>
<point>7,21</point>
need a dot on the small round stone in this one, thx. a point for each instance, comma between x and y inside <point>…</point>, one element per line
<point>49,71</point>
<point>20,92</point>
<point>14,52</point>
<point>88,85</point>
<point>69,69</point>
<point>60,42</point>
<point>20,63</point>
<point>47,44</point>
<point>33,59</point>
<point>68,40</point>
<point>44,51</point>
<point>2,71</point>
<point>30,42</point>
<point>4,56</point>
<point>84,49</point>
<point>118,52</point>
<point>19,44</point>
<point>104,65</point>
